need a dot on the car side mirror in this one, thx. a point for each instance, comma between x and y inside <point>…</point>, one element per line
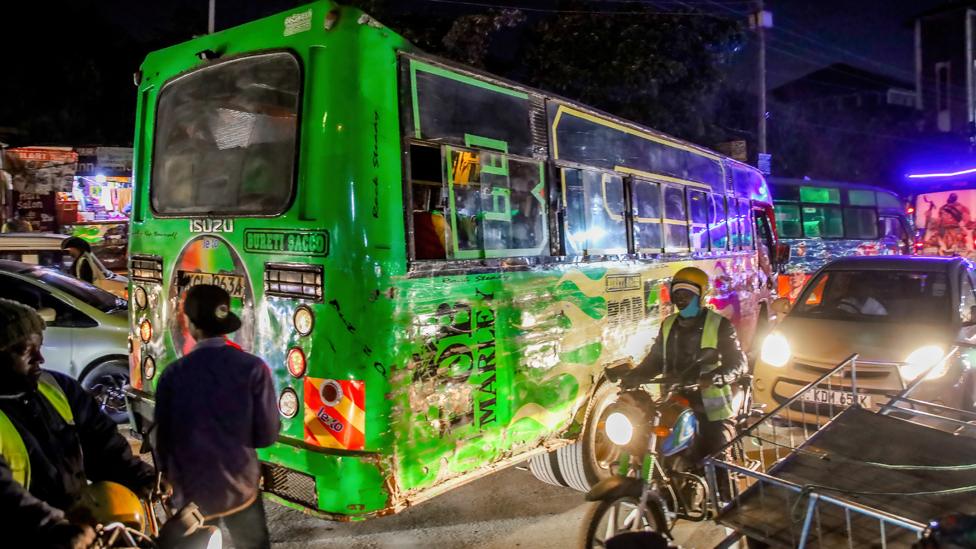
<point>47,314</point>
<point>781,306</point>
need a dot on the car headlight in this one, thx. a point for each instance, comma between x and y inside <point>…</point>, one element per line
<point>775,350</point>
<point>921,360</point>
<point>619,429</point>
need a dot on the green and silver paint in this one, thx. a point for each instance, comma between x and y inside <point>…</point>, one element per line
<point>464,372</point>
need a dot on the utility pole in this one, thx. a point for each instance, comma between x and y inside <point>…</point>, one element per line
<point>760,21</point>
<point>210,17</point>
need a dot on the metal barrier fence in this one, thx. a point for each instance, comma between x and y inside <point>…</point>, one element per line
<point>751,460</point>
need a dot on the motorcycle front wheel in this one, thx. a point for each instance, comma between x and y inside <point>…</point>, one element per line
<point>608,518</point>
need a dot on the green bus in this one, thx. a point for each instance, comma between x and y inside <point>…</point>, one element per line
<point>435,263</point>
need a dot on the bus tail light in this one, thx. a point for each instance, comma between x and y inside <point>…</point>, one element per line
<point>303,321</point>
<point>296,362</point>
<point>148,367</point>
<point>288,403</point>
<point>145,331</point>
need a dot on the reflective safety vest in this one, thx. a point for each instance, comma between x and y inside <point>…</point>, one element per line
<point>12,446</point>
<point>716,400</point>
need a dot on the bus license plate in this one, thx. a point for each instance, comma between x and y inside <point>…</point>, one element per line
<point>232,284</point>
<point>836,398</point>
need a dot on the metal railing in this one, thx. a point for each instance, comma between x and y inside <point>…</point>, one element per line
<point>750,462</point>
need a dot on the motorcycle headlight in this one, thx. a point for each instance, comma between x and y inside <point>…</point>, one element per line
<point>921,360</point>
<point>619,429</point>
<point>775,350</point>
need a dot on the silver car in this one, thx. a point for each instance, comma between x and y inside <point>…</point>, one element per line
<point>87,329</point>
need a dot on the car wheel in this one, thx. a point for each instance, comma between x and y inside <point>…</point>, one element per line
<point>105,383</point>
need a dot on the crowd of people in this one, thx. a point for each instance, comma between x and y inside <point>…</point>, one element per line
<point>56,444</point>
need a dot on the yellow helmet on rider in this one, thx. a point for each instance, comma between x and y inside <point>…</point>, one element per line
<point>110,502</point>
<point>692,279</point>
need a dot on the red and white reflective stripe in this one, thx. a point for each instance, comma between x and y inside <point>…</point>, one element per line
<point>342,425</point>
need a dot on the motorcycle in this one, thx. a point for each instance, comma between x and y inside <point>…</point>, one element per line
<point>657,480</point>
<point>122,520</point>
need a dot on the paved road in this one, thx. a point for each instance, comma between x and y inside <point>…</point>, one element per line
<point>508,509</point>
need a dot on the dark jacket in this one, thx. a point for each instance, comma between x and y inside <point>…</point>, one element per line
<point>682,346</point>
<point>63,457</point>
<point>82,268</point>
<point>213,408</point>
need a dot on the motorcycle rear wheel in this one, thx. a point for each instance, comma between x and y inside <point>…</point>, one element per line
<point>610,517</point>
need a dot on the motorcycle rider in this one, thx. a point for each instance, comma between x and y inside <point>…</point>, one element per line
<point>677,349</point>
<point>53,440</point>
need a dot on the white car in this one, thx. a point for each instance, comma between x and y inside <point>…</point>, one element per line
<point>87,329</point>
<point>45,249</point>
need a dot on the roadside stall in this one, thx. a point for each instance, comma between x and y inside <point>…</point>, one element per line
<point>97,206</point>
<point>37,174</point>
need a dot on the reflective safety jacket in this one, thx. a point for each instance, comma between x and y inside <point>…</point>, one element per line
<point>676,346</point>
<point>12,446</point>
<point>67,441</point>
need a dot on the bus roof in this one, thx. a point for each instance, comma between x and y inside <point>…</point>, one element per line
<point>165,64</point>
<point>789,181</point>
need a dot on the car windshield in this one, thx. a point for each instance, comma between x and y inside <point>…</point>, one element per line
<point>79,289</point>
<point>876,295</point>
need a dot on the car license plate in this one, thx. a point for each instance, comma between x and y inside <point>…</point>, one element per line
<point>233,284</point>
<point>836,398</point>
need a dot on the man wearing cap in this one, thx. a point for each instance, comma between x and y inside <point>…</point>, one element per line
<point>54,438</point>
<point>682,341</point>
<point>214,406</point>
<point>83,267</point>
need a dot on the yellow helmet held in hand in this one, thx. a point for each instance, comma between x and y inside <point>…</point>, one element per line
<point>693,276</point>
<point>109,502</point>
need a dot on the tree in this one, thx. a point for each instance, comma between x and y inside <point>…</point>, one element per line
<point>630,59</point>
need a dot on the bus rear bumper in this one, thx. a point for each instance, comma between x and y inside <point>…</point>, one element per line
<point>330,484</point>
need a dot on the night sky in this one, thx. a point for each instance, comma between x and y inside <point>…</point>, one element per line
<point>46,43</point>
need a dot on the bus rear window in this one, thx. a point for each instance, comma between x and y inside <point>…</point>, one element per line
<point>225,138</point>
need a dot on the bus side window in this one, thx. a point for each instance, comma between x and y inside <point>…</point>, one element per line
<point>675,219</point>
<point>497,205</point>
<point>718,223</point>
<point>788,220</point>
<point>648,231</point>
<point>594,203</point>
<point>427,204</point>
<point>861,223</point>
<point>822,222</point>
<point>894,231</point>
<point>734,223</point>
<point>698,214</point>
<point>745,223</point>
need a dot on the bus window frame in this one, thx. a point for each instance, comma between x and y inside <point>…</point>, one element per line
<point>634,219</point>
<point>451,243</point>
<point>803,220</point>
<point>877,222</point>
<point>299,131</point>
<point>559,168</point>
<point>687,222</point>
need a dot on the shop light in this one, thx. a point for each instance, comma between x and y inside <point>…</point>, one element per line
<point>942,174</point>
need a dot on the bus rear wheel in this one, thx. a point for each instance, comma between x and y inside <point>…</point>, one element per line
<point>592,458</point>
